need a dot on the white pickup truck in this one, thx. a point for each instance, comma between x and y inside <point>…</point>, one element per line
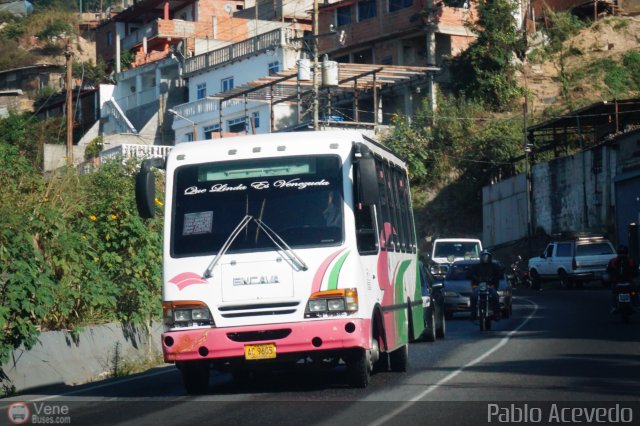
<point>445,251</point>
<point>572,261</point>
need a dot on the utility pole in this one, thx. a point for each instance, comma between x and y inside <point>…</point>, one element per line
<point>69,55</point>
<point>431,55</point>
<point>315,65</point>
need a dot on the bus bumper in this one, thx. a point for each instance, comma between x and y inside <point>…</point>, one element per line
<point>288,338</point>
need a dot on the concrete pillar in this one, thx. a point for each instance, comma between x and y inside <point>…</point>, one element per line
<point>138,88</point>
<point>158,81</point>
<point>118,64</point>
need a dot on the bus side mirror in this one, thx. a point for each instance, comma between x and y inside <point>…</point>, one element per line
<point>367,176</point>
<point>146,187</point>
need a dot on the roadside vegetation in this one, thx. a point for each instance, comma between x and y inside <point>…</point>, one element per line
<point>73,250</point>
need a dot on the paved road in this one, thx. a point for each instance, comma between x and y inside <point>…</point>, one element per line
<point>559,346</point>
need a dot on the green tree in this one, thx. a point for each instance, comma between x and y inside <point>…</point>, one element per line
<point>25,283</point>
<point>559,26</point>
<point>486,71</point>
<point>29,134</point>
<point>129,249</point>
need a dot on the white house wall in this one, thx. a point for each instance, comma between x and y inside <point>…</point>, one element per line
<point>242,72</point>
<point>284,116</point>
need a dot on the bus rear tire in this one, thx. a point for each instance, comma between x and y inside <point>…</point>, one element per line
<point>399,359</point>
<point>195,376</point>
<point>359,368</point>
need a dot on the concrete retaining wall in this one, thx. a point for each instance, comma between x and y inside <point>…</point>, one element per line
<point>504,211</point>
<point>572,193</point>
<point>59,358</point>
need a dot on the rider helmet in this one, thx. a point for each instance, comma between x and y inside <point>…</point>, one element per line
<point>623,250</point>
<point>485,256</point>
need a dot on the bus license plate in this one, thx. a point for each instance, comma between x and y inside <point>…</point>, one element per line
<point>624,297</point>
<point>264,351</point>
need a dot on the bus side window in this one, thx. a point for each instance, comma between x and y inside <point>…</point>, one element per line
<point>365,218</point>
<point>394,220</point>
<point>401,210</point>
<point>384,212</point>
<point>409,214</point>
<point>366,236</point>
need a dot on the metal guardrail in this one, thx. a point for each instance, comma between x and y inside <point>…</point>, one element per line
<point>236,51</point>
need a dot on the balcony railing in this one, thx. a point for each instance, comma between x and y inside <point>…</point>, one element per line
<point>127,151</point>
<point>148,30</point>
<point>166,28</point>
<point>111,108</point>
<point>204,106</point>
<point>134,100</point>
<point>236,51</point>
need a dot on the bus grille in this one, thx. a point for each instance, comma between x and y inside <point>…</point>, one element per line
<point>236,311</point>
<point>256,336</point>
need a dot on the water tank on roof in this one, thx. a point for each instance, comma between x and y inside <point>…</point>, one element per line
<point>329,73</point>
<point>304,69</point>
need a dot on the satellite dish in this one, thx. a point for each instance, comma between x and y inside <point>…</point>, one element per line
<point>228,8</point>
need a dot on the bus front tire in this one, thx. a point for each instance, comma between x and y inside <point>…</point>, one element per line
<point>359,368</point>
<point>195,376</point>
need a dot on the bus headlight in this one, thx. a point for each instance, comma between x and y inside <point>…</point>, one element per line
<point>187,313</point>
<point>332,302</point>
<point>318,305</point>
<point>200,314</point>
<point>335,304</point>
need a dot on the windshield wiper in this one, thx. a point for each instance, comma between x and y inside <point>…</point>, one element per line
<point>294,260</point>
<point>234,234</point>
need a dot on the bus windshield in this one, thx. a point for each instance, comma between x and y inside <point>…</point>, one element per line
<point>300,198</point>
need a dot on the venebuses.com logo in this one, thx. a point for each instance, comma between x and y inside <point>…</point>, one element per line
<point>18,413</point>
<point>39,413</point>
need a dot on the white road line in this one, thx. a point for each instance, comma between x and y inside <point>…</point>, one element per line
<point>453,374</point>
<point>165,370</point>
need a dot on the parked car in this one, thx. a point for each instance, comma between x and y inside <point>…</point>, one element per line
<point>445,251</point>
<point>572,261</point>
<point>433,304</point>
<point>457,290</point>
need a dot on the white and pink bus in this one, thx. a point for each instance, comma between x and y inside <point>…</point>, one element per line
<point>286,247</point>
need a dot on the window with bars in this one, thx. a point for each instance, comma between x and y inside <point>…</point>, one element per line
<point>201,91</point>
<point>210,130</point>
<point>395,5</point>
<point>343,16</point>
<point>227,84</point>
<point>274,67</point>
<point>367,9</point>
<point>237,125</point>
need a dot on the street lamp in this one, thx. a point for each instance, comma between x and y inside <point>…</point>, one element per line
<point>193,123</point>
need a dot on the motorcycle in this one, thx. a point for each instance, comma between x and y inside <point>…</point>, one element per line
<point>483,306</point>
<point>518,274</point>
<point>625,295</point>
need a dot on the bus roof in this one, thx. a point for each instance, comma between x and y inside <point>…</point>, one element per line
<point>277,145</point>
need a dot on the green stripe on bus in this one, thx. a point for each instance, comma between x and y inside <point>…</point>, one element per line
<point>418,292</point>
<point>399,293</point>
<point>401,315</point>
<point>335,272</point>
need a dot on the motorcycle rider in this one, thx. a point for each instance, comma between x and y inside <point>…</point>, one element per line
<point>621,269</point>
<point>489,272</point>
